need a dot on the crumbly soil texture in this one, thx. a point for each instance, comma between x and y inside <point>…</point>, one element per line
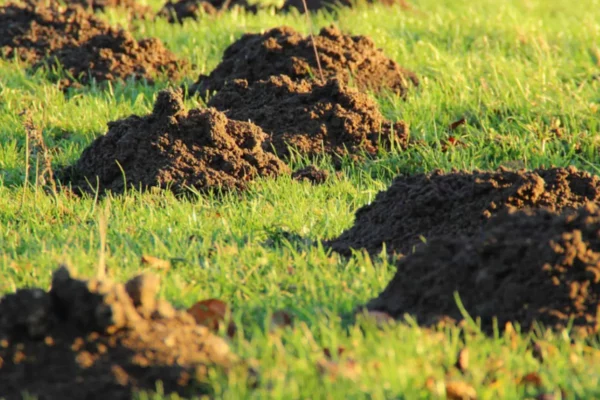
<point>84,47</point>
<point>191,9</point>
<point>283,51</point>
<point>313,118</point>
<point>311,174</point>
<point>427,206</point>
<point>176,149</point>
<point>526,266</point>
<point>99,339</point>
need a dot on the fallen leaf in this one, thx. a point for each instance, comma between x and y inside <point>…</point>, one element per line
<point>532,378</point>
<point>155,262</point>
<point>462,360</point>
<point>456,124</point>
<point>458,390</point>
<point>210,313</point>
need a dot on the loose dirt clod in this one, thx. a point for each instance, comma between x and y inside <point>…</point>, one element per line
<point>174,148</point>
<point>283,51</point>
<point>459,203</point>
<point>84,46</point>
<point>182,9</point>
<point>311,174</point>
<point>526,266</point>
<point>314,118</point>
<point>88,338</point>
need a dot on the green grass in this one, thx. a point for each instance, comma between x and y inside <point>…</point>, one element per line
<point>513,69</point>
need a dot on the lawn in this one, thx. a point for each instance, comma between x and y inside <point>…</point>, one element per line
<point>525,76</point>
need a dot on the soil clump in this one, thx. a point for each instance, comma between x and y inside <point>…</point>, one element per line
<point>312,117</point>
<point>459,203</point>
<point>525,266</point>
<point>183,9</point>
<point>176,149</point>
<point>283,51</point>
<point>311,174</point>
<point>84,46</point>
<point>99,339</point>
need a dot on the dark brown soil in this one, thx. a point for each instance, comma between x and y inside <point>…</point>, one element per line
<point>311,174</point>
<point>30,30</point>
<point>96,339</point>
<point>332,5</point>
<point>182,9</point>
<point>174,148</point>
<point>312,117</point>
<point>459,203</point>
<point>284,51</point>
<point>86,47</point>
<point>525,266</point>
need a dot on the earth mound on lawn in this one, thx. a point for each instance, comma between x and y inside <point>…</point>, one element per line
<point>32,29</point>
<point>526,266</point>
<point>459,203</point>
<point>312,117</point>
<point>174,148</point>
<point>182,9</point>
<point>283,51</point>
<point>332,5</point>
<point>84,46</point>
<point>90,338</point>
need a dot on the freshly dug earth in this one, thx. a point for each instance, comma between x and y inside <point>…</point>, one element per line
<point>175,148</point>
<point>115,55</point>
<point>526,266</point>
<point>331,5</point>
<point>459,203</point>
<point>311,174</point>
<point>99,339</point>
<point>182,9</point>
<point>312,117</point>
<point>30,30</point>
<point>85,46</point>
<point>284,51</point>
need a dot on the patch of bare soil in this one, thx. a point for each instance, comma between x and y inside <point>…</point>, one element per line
<point>312,117</point>
<point>332,5</point>
<point>176,149</point>
<point>179,10</point>
<point>526,266</point>
<point>459,203</point>
<point>311,174</point>
<point>283,51</point>
<point>99,339</point>
<point>84,46</point>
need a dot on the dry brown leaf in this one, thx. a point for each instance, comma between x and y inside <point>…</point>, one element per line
<point>155,262</point>
<point>458,390</point>
<point>456,124</point>
<point>210,313</point>
<point>532,378</point>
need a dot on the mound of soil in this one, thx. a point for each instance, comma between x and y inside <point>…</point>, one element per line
<point>32,29</point>
<point>332,5</point>
<point>174,148</point>
<point>459,203</point>
<point>284,51</point>
<point>85,46</point>
<point>526,266</point>
<point>182,9</point>
<point>312,117</point>
<point>99,339</point>
<point>311,174</point>
<point>115,55</point>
